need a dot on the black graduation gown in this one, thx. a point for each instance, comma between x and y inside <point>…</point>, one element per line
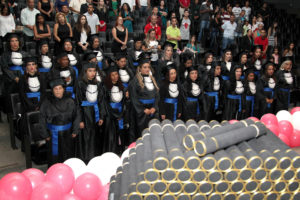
<point>129,72</point>
<point>115,136</point>
<point>257,69</point>
<point>139,97</point>
<point>133,59</point>
<point>213,99</point>
<point>75,62</point>
<point>203,71</point>
<point>168,103</point>
<point>43,61</point>
<point>193,106</point>
<point>283,90</point>
<point>89,136</point>
<point>101,60</point>
<point>264,91</point>
<point>232,107</point>
<point>250,101</point>
<point>224,70</point>
<point>64,113</point>
<point>162,64</point>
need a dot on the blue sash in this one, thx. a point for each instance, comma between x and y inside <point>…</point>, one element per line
<point>17,68</point>
<point>71,90</point>
<point>147,101</point>
<point>225,78</point>
<point>266,89</point>
<point>135,64</point>
<point>251,98</point>
<point>216,95</point>
<point>96,108</point>
<point>257,73</point>
<point>125,85</point>
<point>190,99</point>
<point>33,95</point>
<point>242,77</point>
<point>54,130</point>
<point>175,102</point>
<point>120,108</point>
<point>289,94</point>
<point>76,70</point>
<point>42,69</point>
<point>100,65</point>
<point>237,97</point>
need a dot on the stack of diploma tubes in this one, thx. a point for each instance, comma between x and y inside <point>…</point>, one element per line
<point>215,161</point>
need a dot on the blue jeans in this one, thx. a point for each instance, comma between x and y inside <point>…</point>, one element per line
<point>214,37</point>
<point>203,25</point>
<point>227,42</point>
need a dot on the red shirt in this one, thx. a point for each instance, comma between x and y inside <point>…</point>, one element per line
<point>185,3</point>
<point>156,28</point>
<point>264,43</point>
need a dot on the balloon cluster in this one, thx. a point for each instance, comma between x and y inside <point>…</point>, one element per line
<point>71,180</point>
<point>286,125</point>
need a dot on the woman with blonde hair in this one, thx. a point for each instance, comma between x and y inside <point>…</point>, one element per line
<point>144,96</point>
<point>61,31</point>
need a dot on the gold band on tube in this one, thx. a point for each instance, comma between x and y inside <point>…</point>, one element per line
<point>222,159</point>
<point>203,146</point>
<point>184,142</point>
<point>195,158</point>
<point>153,171</point>
<point>136,194</point>
<point>159,159</point>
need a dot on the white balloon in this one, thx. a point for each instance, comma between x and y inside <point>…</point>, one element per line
<point>77,165</point>
<point>284,115</point>
<point>296,120</point>
<point>125,154</point>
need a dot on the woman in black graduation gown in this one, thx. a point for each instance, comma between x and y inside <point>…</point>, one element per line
<point>212,85</point>
<point>95,47</point>
<point>135,54</point>
<point>226,65</point>
<point>11,63</point>
<point>125,72</point>
<point>115,137</point>
<point>144,96</point>
<point>59,123</point>
<point>45,61</point>
<point>256,60</point>
<point>193,99</point>
<point>91,57</point>
<point>243,61</point>
<point>266,91</point>
<point>206,64</point>
<point>250,94</point>
<point>233,95</point>
<point>187,62</point>
<point>170,104</point>
<point>284,85</point>
<point>73,56</point>
<point>89,96</point>
<point>65,71</point>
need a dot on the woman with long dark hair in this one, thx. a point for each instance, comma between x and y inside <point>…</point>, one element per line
<point>205,66</point>
<point>81,32</point>
<point>46,8</point>
<point>256,60</point>
<point>95,46</point>
<point>41,30</point>
<point>72,55</point>
<point>250,94</point>
<point>127,17</point>
<point>45,60</point>
<point>102,15</point>
<point>226,64</point>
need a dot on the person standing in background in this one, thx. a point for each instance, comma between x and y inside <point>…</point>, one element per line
<point>28,19</point>
<point>92,19</point>
<point>184,4</point>
<point>247,10</point>
<point>75,6</point>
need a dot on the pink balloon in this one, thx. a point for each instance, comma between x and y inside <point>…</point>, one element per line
<point>104,193</point>
<point>254,119</point>
<point>70,197</point>
<point>233,121</point>
<point>273,128</point>
<point>62,175</point>
<point>88,186</point>
<point>35,176</point>
<point>15,186</point>
<point>285,139</point>
<point>286,128</point>
<point>295,109</point>
<point>132,145</point>
<point>295,139</point>
<point>269,119</point>
<point>47,191</point>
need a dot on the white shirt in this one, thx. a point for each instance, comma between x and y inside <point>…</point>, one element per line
<point>247,12</point>
<point>7,24</point>
<point>229,29</point>
<point>28,18</point>
<point>236,11</point>
<point>144,2</point>
<point>93,21</point>
<point>131,3</point>
<point>83,37</point>
<point>76,4</point>
<point>211,5</point>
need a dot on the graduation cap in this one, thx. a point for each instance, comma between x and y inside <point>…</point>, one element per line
<point>192,68</point>
<point>61,55</point>
<point>143,61</point>
<point>167,43</point>
<point>29,58</point>
<point>18,35</point>
<point>110,61</point>
<point>89,55</point>
<point>168,68</point>
<point>214,64</point>
<point>90,65</point>
<point>68,39</point>
<point>120,55</point>
<point>248,71</point>
<point>42,42</point>
<point>286,58</point>
<point>56,82</point>
<point>112,69</point>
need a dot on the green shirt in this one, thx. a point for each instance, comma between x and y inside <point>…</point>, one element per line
<point>173,32</point>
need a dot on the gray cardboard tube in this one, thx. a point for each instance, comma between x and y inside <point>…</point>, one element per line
<point>159,187</point>
<point>151,196</point>
<point>296,195</point>
<point>280,186</point>
<point>230,196</point>
<point>260,174</point>
<point>222,187</point>
<point>117,191</point>
<point>254,160</point>
<point>203,125</point>
<point>265,186</point>
<point>199,175</point>
<point>125,182</point>
<point>225,123</point>
<point>211,144</point>
<point>246,174</point>
<point>251,186</point>
<point>239,161</point>
<point>174,187</point>
<point>193,135</point>
<point>285,196</point>
<point>190,188</point>
<point>275,174</point>
<point>135,196</point>
<point>139,164</point>
<point>237,186</point>
<point>168,196</point>
<point>272,195</point>
<point>208,162</point>
<point>214,176</point>
<point>258,195</point>
<point>231,175</point>
<point>205,188</point>
<point>180,132</point>
<point>183,196</point>
<point>244,196</point>
<point>169,174</point>
<point>199,196</point>
<point>289,174</point>
<point>214,124</point>
<point>192,161</point>
<point>293,186</point>
<point>223,160</point>
<point>151,175</point>
<point>215,196</point>
<point>184,175</point>
<point>132,173</point>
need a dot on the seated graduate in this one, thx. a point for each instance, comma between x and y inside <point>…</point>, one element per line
<point>135,53</point>
<point>266,90</point>
<point>186,62</point>
<point>170,104</point>
<point>91,57</point>
<point>206,64</point>
<point>73,56</point>
<point>116,135</point>
<point>243,61</point>
<point>233,95</point>
<point>250,94</point>
<point>126,74</point>
<point>89,96</point>
<point>284,84</point>
<point>59,123</point>
<point>44,58</point>
<point>193,99</point>
<point>144,96</point>
<point>227,64</point>
<point>212,85</point>
<point>256,60</point>
<point>63,70</point>
<point>96,47</point>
